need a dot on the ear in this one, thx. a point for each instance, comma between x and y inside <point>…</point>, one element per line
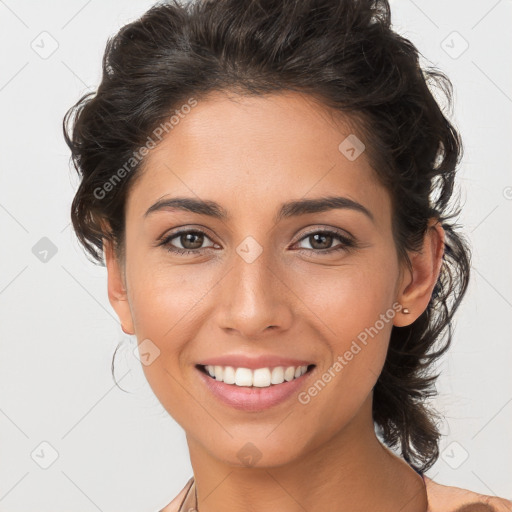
<point>117,293</point>
<point>416,287</point>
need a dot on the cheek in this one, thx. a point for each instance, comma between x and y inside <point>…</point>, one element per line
<point>349,298</point>
<point>164,296</point>
<point>352,308</point>
<point>168,307</point>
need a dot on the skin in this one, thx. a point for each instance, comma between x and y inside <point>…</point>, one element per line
<point>250,155</point>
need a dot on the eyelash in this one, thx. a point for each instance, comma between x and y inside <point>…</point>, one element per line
<point>346,244</point>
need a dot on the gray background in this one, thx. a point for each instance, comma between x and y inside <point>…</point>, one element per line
<point>121,451</point>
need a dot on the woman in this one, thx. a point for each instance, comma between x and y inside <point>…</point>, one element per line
<point>269,185</point>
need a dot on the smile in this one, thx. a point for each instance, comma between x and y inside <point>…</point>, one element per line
<point>253,389</point>
<point>259,377</point>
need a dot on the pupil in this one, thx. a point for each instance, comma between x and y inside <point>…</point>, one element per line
<point>325,237</point>
<point>189,237</point>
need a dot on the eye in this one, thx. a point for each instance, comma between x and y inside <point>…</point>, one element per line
<point>191,242</point>
<point>321,241</point>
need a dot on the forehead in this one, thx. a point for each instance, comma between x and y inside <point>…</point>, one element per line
<point>253,152</point>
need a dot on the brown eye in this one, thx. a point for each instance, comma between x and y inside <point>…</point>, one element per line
<point>190,241</point>
<point>322,242</point>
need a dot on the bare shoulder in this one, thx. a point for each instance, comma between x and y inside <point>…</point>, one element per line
<point>174,505</point>
<point>445,498</point>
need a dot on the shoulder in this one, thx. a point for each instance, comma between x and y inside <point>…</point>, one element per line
<point>441,498</point>
<point>174,505</point>
<point>445,498</point>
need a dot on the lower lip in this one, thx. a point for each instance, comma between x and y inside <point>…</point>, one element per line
<point>253,398</point>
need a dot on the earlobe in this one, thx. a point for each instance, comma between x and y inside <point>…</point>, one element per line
<point>117,293</point>
<point>126,331</point>
<point>416,291</point>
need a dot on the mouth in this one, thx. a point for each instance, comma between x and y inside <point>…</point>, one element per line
<point>252,390</point>
<point>256,378</point>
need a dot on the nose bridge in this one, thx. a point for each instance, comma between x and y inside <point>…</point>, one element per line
<point>253,297</point>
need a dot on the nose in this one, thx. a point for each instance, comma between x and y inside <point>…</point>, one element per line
<point>254,301</point>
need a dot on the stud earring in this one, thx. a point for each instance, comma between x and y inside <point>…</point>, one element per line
<point>405,311</point>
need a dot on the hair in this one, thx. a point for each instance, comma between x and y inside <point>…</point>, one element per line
<point>343,53</point>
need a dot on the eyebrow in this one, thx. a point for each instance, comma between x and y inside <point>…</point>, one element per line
<point>287,210</point>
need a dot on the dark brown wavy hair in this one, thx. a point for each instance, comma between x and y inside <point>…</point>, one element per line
<point>342,52</point>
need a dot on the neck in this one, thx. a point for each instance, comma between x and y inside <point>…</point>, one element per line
<point>351,469</point>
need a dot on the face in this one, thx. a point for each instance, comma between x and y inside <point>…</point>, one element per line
<point>264,285</point>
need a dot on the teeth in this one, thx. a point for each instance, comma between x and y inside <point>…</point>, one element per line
<point>259,378</point>
<point>277,376</point>
<point>243,377</point>
<point>229,375</point>
<point>289,373</point>
<point>219,372</point>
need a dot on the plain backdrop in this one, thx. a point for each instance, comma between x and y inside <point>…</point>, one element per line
<point>109,450</point>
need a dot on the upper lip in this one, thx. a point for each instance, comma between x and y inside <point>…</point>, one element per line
<point>253,362</point>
